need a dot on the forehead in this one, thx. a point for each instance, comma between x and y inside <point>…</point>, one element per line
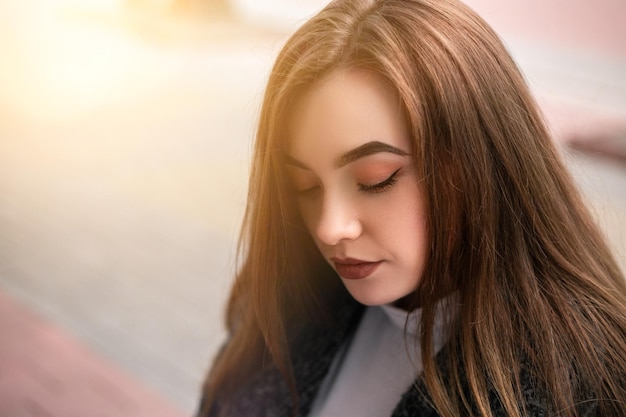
<point>344,110</point>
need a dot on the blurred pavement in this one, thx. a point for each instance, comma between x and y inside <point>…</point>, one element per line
<point>124,147</point>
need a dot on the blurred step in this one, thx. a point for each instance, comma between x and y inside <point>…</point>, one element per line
<point>47,373</point>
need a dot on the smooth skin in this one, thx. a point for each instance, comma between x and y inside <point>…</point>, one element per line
<point>349,160</point>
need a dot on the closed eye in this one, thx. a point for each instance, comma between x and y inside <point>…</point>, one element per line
<point>382,186</point>
<point>309,192</point>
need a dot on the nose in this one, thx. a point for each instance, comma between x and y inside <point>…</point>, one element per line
<point>338,221</point>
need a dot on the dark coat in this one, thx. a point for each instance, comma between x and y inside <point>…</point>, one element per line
<point>267,394</point>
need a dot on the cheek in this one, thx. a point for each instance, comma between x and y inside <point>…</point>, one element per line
<point>403,224</point>
<point>309,214</point>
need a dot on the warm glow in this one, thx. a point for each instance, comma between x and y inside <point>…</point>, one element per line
<point>73,56</point>
<point>93,4</point>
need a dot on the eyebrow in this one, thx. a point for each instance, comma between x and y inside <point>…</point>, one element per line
<point>367,149</point>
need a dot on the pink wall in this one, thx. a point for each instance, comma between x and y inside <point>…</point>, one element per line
<point>595,26</point>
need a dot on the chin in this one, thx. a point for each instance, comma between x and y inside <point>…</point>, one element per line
<point>376,293</point>
<point>372,299</point>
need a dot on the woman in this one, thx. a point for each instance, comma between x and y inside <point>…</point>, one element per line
<point>402,168</point>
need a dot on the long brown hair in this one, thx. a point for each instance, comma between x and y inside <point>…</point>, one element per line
<point>508,231</point>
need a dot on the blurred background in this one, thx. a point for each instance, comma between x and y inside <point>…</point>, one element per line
<point>125,136</point>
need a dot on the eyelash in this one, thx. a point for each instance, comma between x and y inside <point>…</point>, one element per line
<point>378,188</point>
<point>382,186</point>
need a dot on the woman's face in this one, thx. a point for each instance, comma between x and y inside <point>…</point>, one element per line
<point>350,164</point>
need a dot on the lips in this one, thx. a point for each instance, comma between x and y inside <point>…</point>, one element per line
<point>350,268</point>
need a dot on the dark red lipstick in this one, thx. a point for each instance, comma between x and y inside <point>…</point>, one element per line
<point>350,268</point>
